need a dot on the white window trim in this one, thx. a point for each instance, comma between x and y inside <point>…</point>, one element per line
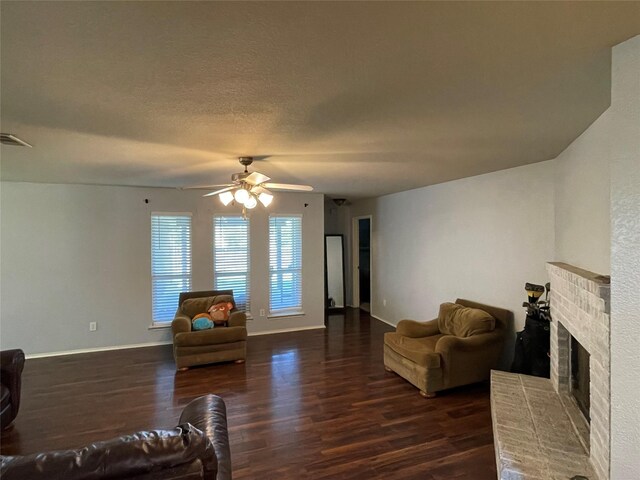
<point>292,311</point>
<point>167,323</point>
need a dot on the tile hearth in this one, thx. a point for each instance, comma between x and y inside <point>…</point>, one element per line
<point>534,436</point>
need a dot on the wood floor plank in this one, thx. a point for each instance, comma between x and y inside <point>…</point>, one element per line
<point>305,405</point>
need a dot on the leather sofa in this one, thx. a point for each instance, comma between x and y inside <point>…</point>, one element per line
<point>11,365</point>
<point>196,449</point>
<point>221,344</point>
<point>459,347</point>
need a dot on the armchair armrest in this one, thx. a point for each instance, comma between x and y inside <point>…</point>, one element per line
<point>238,319</point>
<point>413,329</point>
<point>212,336</point>
<point>180,324</point>
<point>469,359</point>
<point>450,343</point>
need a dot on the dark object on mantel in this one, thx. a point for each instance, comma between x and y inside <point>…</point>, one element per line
<point>531,356</point>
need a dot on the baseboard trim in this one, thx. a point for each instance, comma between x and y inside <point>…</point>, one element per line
<point>383,320</point>
<point>153,344</point>
<point>285,330</point>
<point>97,349</point>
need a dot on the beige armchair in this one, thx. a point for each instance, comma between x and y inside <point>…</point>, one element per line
<point>221,344</point>
<point>459,347</point>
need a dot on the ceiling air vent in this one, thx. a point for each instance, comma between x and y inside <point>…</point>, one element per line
<point>9,139</point>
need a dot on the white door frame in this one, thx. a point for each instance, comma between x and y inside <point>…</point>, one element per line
<point>355,250</point>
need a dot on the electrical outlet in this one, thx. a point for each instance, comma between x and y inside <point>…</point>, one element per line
<point>93,326</point>
<point>262,314</point>
<point>384,302</point>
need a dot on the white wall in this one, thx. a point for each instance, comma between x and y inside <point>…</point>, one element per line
<point>71,254</point>
<point>625,261</point>
<point>582,190</point>
<point>479,238</point>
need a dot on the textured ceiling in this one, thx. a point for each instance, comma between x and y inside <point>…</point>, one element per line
<point>357,99</point>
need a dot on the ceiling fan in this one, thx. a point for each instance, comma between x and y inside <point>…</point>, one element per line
<point>249,188</point>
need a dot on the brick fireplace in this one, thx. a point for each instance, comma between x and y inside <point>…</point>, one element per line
<point>580,308</point>
<point>540,433</point>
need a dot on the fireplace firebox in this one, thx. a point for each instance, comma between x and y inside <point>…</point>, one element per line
<point>580,377</point>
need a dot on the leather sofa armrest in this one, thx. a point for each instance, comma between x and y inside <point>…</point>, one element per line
<point>124,457</point>
<point>180,324</point>
<point>209,414</point>
<point>11,366</point>
<point>238,319</point>
<point>413,329</point>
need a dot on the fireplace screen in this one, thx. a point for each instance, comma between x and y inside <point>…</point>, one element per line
<point>580,377</point>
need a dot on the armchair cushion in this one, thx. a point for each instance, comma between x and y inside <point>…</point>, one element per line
<point>419,350</point>
<point>460,321</point>
<point>194,306</point>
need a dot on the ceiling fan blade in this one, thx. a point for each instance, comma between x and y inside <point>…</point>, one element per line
<point>207,187</point>
<point>256,178</point>
<point>210,194</point>
<point>260,189</point>
<point>288,186</point>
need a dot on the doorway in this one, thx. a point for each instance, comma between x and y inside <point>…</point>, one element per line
<point>362,263</point>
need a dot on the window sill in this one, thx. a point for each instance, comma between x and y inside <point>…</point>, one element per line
<point>296,313</point>
<point>160,326</point>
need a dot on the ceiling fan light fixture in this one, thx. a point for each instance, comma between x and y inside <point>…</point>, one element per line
<point>241,196</point>
<point>251,202</point>
<point>226,198</point>
<point>265,199</point>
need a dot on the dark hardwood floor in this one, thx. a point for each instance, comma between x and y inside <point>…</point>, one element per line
<point>306,405</point>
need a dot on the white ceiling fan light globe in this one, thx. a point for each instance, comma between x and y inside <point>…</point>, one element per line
<point>265,199</point>
<point>251,202</point>
<point>226,198</point>
<point>241,195</point>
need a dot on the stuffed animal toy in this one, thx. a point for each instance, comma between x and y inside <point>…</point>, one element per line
<point>201,321</point>
<point>220,313</point>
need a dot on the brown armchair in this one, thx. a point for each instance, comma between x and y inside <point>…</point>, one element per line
<point>11,365</point>
<point>459,347</point>
<point>221,344</point>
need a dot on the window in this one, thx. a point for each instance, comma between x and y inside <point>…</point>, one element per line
<point>170,263</point>
<point>285,264</point>
<point>231,258</point>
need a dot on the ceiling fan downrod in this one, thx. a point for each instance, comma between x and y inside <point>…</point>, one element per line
<point>246,161</point>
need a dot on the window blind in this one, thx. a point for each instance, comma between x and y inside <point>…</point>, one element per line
<point>231,260</point>
<point>285,263</point>
<point>170,263</point>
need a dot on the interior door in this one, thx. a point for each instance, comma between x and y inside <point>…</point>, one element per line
<point>364,262</point>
